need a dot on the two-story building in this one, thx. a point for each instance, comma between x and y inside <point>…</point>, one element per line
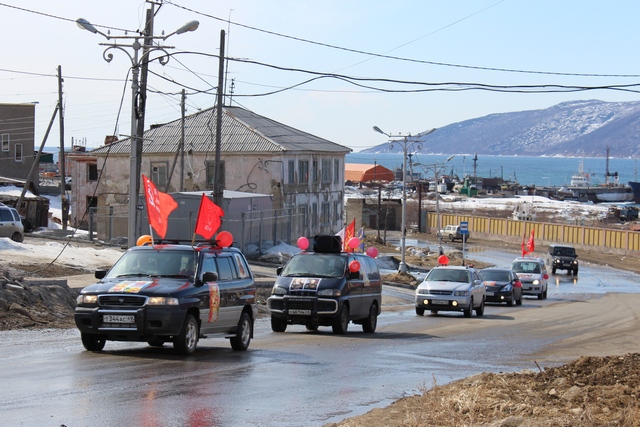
<point>17,141</point>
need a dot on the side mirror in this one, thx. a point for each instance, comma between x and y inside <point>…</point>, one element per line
<point>279,270</point>
<point>99,274</point>
<point>210,276</point>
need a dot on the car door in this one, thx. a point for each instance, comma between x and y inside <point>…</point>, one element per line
<point>355,286</point>
<point>7,223</point>
<point>477,290</point>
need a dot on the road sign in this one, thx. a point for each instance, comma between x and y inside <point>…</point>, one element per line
<point>464,227</point>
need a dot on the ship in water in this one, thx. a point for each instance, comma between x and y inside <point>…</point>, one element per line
<point>635,186</point>
<point>611,191</point>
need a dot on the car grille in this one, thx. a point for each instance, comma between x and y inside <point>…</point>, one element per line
<point>121,301</point>
<point>439,292</point>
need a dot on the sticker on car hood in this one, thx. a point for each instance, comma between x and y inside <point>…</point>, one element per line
<point>130,286</point>
<point>304,283</point>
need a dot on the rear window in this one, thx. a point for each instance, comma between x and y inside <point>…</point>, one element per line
<point>495,275</point>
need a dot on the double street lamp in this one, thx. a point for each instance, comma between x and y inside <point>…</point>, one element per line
<point>406,142</point>
<point>138,95</point>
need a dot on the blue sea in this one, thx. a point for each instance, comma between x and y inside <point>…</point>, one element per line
<point>538,171</point>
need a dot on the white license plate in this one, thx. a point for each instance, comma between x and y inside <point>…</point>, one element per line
<point>439,302</point>
<point>300,312</point>
<point>113,318</point>
<point>489,294</point>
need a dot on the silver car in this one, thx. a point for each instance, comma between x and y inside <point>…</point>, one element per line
<point>451,288</point>
<point>11,224</point>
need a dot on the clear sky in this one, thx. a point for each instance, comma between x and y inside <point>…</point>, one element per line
<point>464,42</point>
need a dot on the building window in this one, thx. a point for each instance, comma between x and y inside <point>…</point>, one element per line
<point>92,172</point>
<point>292,172</point>
<point>303,171</point>
<point>314,217</point>
<point>326,171</point>
<point>211,174</point>
<point>336,211</point>
<point>325,217</point>
<point>314,171</point>
<point>336,171</point>
<point>18,157</point>
<point>5,142</point>
<point>159,173</point>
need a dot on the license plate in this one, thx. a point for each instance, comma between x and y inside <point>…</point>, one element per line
<point>113,318</point>
<point>439,302</point>
<point>489,294</point>
<point>300,312</point>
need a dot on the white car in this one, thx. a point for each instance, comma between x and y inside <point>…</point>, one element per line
<point>451,288</point>
<point>533,275</point>
<point>11,224</point>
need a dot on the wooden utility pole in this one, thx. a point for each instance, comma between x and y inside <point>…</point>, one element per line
<point>61,159</point>
<point>218,193</point>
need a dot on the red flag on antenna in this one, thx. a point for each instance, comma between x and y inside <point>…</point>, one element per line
<point>349,232</point>
<point>159,207</point>
<point>531,245</point>
<point>208,220</point>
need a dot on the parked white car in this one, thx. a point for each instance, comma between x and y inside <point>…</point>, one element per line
<point>11,223</point>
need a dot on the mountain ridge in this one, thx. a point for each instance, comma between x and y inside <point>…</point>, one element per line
<point>571,129</point>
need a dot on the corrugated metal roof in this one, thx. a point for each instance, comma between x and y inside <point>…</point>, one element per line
<point>242,131</point>
<point>366,172</point>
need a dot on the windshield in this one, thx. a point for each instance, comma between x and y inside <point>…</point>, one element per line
<point>446,275</point>
<point>526,267</point>
<point>315,265</point>
<point>165,263</point>
<point>564,252</point>
<point>495,275</point>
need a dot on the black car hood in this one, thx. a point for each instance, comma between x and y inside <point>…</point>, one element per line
<point>138,285</point>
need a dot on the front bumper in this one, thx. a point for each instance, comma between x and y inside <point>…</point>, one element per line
<point>531,289</point>
<point>302,309</point>
<point>498,295</point>
<point>440,303</point>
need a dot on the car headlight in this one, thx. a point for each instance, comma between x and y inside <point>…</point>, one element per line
<point>575,261</point>
<point>87,299</point>
<point>329,292</point>
<point>461,293</point>
<point>507,288</point>
<point>536,282</point>
<point>422,291</point>
<point>162,301</point>
<point>278,290</point>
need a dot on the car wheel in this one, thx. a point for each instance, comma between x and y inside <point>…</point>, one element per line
<point>187,341</point>
<point>341,323</point>
<point>480,310</point>
<point>370,323</point>
<point>240,342</point>
<point>544,296</point>
<point>575,272</point>
<point>278,324</point>
<point>511,299</point>
<point>553,271</point>
<point>311,326</point>
<point>155,342</point>
<point>420,311</point>
<point>93,342</point>
<point>540,295</point>
<point>451,238</point>
<point>17,237</point>
<point>467,311</point>
<point>434,312</point>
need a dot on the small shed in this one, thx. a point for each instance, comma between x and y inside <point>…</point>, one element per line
<point>356,172</point>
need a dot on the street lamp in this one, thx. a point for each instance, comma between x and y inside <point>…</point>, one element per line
<point>436,171</point>
<point>405,143</point>
<point>138,94</point>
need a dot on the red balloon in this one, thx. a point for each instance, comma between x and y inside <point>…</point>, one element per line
<point>303,243</point>
<point>224,239</point>
<point>354,266</point>
<point>353,242</point>
<point>372,252</point>
<point>443,260</point>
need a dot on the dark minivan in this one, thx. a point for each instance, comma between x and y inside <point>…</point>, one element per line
<point>326,287</point>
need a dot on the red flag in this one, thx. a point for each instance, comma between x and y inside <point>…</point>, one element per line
<point>524,251</point>
<point>208,220</point>
<point>531,245</point>
<point>349,232</point>
<point>159,207</point>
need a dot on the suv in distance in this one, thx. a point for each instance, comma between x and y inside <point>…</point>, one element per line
<point>451,288</point>
<point>452,232</point>
<point>11,223</point>
<point>170,293</point>
<point>326,287</point>
<point>563,257</point>
<point>532,273</point>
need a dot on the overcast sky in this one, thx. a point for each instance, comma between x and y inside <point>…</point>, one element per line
<point>278,44</point>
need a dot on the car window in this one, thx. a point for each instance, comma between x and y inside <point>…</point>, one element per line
<point>226,270</point>
<point>16,216</point>
<point>243,270</point>
<point>496,275</point>
<point>314,265</point>
<point>5,215</point>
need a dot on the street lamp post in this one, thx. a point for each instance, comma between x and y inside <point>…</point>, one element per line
<point>405,143</point>
<point>138,95</point>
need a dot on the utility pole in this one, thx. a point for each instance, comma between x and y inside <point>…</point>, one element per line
<point>61,159</point>
<point>218,193</point>
<point>183,111</point>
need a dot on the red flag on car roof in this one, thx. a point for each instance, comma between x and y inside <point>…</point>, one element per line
<point>349,232</point>
<point>530,246</point>
<point>208,220</point>
<point>159,207</point>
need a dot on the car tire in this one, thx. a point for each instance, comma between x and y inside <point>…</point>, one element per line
<point>467,311</point>
<point>371,322</point>
<point>540,295</point>
<point>278,324</point>
<point>420,311</point>
<point>186,342</point>
<point>480,309</point>
<point>17,237</point>
<point>544,295</point>
<point>451,238</point>
<point>341,323</point>
<point>434,312</point>
<point>242,339</point>
<point>155,342</point>
<point>311,326</point>
<point>553,271</point>
<point>575,272</point>
<point>93,342</point>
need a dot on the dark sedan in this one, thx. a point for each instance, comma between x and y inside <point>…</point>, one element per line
<point>502,285</point>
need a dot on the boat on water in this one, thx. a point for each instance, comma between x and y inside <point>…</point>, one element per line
<point>582,189</point>
<point>635,186</point>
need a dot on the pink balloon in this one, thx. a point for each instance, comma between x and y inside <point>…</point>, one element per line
<point>224,239</point>
<point>303,243</point>
<point>354,266</point>
<point>353,242</point>
<point>372,252</point>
